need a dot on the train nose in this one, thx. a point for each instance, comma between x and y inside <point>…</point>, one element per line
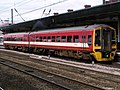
<point>105,54</point>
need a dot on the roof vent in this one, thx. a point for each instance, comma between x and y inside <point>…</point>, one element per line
<point>70,10</point>
<point>87,6</point>
<point>55,14</point>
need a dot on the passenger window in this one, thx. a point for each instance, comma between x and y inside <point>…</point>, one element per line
<point>53,38</point>
<point>83,39</point>
<point>97,38</point>
<point>37,39</point>
<point>44,39</point>
<point>48,39</point>
<point>40,39</point>
<point>63,38</point>
<point>89,40</point>
<point>69,38</point>
<point>76,38</point>
<point>58,39</point>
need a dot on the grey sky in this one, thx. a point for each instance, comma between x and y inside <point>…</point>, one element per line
<point>29,7</point>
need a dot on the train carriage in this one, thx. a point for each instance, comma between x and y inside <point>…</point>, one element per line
<point>92,41</point>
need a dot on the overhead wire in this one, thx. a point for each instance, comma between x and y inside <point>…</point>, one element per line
<point>21,3</point>
<point>43,7</point>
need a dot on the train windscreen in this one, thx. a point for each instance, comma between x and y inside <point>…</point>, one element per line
<point>105,38</point>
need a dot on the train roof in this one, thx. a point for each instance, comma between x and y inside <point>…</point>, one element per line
<point>19,33</point>
<point>86,27</point>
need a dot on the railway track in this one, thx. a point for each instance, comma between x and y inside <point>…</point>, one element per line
<point>87,68</point>
<point>28,70</point>
<point>77,69</point>
<point>59,80</point>
<point>1,88</point>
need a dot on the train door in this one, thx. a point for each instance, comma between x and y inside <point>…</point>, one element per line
<point>106,39</point>
<point>84,45</point>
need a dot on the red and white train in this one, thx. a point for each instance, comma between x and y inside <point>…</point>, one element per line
<point>93,41</point>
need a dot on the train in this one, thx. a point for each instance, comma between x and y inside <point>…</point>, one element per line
<point>1,38</point>
<point>90,42</point>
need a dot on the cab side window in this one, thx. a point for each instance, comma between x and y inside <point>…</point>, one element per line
<point>97,38</point>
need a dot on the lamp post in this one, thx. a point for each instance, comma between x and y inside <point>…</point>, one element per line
<point>11,16</point>
<point>103,1</point>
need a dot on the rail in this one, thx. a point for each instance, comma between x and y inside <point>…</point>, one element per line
<point>1,88</point>
<point>37,74</point>
<point>70,64</point>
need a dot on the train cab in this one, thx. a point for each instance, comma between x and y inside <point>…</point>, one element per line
<point>104,43</point>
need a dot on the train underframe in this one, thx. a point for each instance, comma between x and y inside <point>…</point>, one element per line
<point>57,52</point>
<point>93,56</point>
<point>66,53</point>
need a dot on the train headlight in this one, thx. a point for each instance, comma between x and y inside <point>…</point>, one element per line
<point>107,55</point>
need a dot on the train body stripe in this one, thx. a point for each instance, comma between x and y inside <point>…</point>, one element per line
<point>50,43</point>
